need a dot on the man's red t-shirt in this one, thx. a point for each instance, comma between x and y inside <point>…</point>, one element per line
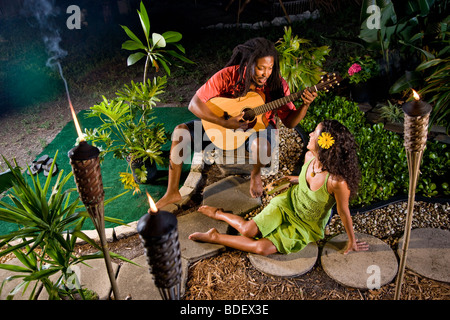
<point>221,84</point>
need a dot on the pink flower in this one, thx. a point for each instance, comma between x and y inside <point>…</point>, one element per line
<point>355,68</point>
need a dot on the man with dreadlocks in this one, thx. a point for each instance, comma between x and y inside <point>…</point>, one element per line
<point>254,66</point>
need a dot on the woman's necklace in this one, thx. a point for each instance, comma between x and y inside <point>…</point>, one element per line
<point>313,173</point>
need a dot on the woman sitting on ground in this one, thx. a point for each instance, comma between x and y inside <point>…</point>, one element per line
<point>330,175</point>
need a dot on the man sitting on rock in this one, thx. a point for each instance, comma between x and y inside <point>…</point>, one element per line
<point>254,66</point>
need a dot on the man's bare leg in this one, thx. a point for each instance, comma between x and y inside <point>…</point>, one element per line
<point>261,246</point>
<point>247,228</point>
<point>172,194</point>
<point>256,186</point>
<point>259,147</point>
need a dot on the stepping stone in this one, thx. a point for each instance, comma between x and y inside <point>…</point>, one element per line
<point>8,286</point>
<point>231,194</point>
<point>137,281</point>
<point>93,276</point>
<point>287,265</point>
<point>428,253</point>
<point>363,270</point>
<point>198,222</point>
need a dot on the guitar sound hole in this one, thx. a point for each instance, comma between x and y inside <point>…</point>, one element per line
<point>249,114</point>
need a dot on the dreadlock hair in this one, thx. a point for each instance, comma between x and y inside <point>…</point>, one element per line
<point>341,158</point>
<point>245,56</point>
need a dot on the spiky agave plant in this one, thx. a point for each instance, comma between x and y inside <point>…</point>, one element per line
<point>49,223</point>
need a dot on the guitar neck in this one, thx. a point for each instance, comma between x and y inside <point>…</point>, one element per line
<point>273,105</point>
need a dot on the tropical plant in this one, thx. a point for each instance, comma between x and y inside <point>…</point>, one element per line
<point>49,223</point>
<point>361,69</point>
<point>128,130</point>
<point>401,28</point>
<point>391,112</point>
<point>431,78</point>
<point>154,46</point>
<point>300,62</point>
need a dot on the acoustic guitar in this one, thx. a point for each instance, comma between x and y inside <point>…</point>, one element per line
<point>254,107</point>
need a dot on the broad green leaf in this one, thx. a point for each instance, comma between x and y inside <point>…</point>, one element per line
<point>180,47</point>
<point>135,57</point>
<point>145,22</point>
<point>172,36</point>
<point>131,34</point>
<point>132,45</point>
<point>426,64</point>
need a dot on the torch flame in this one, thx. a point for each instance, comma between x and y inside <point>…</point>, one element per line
<point>416,95</point>
<point>75,121</point>
<point>152,204</point>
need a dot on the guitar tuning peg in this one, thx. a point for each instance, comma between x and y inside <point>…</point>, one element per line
<point>334,74</point>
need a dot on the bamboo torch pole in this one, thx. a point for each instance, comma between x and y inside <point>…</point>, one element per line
<point>88,178</point>
<point>417,114</point>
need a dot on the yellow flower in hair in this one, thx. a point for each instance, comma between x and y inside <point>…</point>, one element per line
<point>325,140</point>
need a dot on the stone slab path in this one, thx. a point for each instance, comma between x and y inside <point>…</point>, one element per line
<point>287,265</point>
<point>363,270</point>
<point>428,253</point>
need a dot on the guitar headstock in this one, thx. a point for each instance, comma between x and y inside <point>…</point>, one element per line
<point>328,81</point>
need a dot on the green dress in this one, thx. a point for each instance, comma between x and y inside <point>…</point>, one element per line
<point>296,217</point>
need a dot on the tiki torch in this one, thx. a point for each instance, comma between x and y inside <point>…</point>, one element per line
<point>417,114</point>
<point>159,235</point>
<point>85,163</point>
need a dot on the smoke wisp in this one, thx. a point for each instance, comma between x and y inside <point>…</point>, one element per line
<point>45,12</point>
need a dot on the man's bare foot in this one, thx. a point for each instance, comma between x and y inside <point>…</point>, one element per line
<point>256,187</point>
<point>168,198</point>
<point>209,236</point>
<point>208,211</point>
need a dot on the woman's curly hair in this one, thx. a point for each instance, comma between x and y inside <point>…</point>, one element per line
<point>341,158</point>
<point>245,56</point>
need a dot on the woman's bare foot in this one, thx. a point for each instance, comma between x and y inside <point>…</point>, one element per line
<point>208,211</point>
<point>256,186</point>
<point>209,236</point>
<point>168,198</point>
